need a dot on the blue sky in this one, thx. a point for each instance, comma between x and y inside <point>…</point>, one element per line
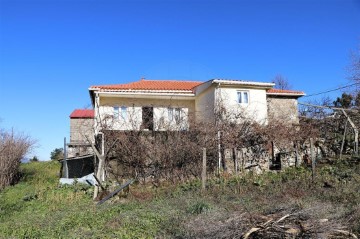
<point>51,51</point>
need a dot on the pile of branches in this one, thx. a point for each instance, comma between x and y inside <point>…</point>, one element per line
<point>283,224</point>
<point>13,148</point>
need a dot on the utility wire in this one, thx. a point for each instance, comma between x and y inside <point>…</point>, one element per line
<point>327,107</point>
<point>339,88</point>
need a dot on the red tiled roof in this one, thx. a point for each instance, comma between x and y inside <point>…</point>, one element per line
<point>284,92</point>
<point>152,85</point>
<point>82,113</point>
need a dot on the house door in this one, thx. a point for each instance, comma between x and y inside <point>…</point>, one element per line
<point>148,118</point>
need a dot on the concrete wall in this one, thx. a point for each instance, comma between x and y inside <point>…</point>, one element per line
<point>256,109</point>
<point>283,109</point>
<point>133,120</point>
<point>79,128</point>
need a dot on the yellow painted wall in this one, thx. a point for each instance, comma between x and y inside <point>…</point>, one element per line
<point>204,105</point>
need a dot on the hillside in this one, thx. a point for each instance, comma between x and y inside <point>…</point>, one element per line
<point>286,204</point>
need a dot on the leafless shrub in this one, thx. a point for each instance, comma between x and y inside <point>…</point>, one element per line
<point>329,126</point>
<point>13,148</point>
<point>355,66</point>
<point>170,147</point>
<point>174,154</point>
<point>170,154</point>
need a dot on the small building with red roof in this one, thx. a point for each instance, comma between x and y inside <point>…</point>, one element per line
<point>81,131</point>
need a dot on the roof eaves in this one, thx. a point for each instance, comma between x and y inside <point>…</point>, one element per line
<point>287,93</point>
<point>147,91</point>
<point>241,82</point>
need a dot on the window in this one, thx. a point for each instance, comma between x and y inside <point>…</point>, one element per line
<point>177,115</point>
<point>148,118</point>
<point>170,114</point>
<point>124,112</point>
<point>243,97</point>
<point>116,112</point>
<point>174,113</point>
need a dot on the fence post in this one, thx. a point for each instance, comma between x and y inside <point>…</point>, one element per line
<point>313,163</point>
<point>203,172</point>
<point>66,169</point>
<point>219,152</point>
<point>343,140</point>
<point>297,160</point>
<point>236,161</point>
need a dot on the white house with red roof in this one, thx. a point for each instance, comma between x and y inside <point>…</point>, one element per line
<point>172,104</point>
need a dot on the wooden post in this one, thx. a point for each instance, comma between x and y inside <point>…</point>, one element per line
<point>242,159</point>
<point>356,142</point>
<point>236,164</point>
<point>297,154</point>
<point>313,163</point>
<point>219,152</point>
<point>356,132</point>
<point>343,140</point>
<point>127,184</point>
<point>272,151</point>
<point>203,173</point>
<point>66,169</point>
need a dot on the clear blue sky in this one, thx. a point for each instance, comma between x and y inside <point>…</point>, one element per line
<point>52,51</point>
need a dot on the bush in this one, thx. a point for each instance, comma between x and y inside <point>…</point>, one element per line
<point>57,154</point>
<point>13,147</point>
<point>34,159</point>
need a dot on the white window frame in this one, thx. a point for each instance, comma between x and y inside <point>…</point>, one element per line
<point>116,112</point>
<point>124,112</point>
<point>241,97</point>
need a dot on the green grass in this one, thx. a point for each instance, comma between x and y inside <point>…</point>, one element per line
<point>37,207</point>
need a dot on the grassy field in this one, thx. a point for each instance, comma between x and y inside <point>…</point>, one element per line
<point>273,205</point>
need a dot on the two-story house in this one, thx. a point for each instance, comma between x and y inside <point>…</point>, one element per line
<point>173,105</point>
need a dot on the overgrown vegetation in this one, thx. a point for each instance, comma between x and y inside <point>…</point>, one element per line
<point>37,207</point>
<point>175,155</point>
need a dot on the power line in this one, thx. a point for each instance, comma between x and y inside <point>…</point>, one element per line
<point>328,107</point>
<point>339,88</point>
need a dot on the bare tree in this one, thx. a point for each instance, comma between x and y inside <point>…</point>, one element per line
<point>13,148</point>
<point>281,82</point>
<point>355,66</point>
